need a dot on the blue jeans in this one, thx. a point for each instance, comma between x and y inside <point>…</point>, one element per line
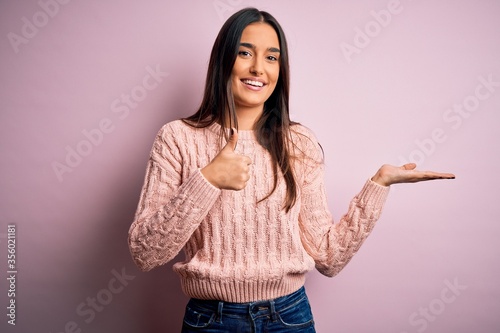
<point>291,313</point>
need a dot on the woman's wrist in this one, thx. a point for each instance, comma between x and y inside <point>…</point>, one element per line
<point>379,179</point>
<point>208,176</point>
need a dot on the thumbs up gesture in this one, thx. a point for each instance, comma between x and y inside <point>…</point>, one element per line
<point>228,170</point>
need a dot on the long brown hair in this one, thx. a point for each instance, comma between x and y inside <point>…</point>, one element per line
<point>273,127</point>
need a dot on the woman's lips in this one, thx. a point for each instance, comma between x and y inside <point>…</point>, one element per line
<point>253,84</point>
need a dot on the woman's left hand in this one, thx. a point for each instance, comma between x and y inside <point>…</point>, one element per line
<point>389,174</point>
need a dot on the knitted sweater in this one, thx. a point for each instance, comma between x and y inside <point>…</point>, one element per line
<point>236,248</point>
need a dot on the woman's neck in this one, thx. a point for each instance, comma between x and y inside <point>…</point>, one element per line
<point>248,117</point>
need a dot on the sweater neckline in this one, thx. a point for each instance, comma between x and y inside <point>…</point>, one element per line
<point>242,134</point>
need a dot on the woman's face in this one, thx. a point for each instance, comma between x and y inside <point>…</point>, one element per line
<point>256,69</point>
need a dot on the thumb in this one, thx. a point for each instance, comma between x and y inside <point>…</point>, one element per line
<point>409,166</point>
<point>233,140</point>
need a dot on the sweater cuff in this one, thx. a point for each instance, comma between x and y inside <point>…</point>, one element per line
<point>201,192</point>
<point>373,194</point>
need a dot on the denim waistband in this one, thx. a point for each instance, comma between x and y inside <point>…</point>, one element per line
<point>268,306</point>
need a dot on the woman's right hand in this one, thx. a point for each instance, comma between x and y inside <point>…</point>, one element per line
<point>228,170</point>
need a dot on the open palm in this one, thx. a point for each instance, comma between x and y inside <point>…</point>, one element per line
<point>390,174</point>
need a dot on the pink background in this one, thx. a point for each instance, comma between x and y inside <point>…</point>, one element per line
<point>391,101</point>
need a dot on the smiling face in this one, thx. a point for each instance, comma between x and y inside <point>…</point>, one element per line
<point>256,69</point>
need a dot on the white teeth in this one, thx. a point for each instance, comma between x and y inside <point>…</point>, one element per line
<point>253,83</point>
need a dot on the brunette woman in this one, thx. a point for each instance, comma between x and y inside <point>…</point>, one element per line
<point>239,188</point>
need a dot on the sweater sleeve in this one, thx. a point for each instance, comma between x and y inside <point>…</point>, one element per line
<point>332,245</point>
<point>170,208</point>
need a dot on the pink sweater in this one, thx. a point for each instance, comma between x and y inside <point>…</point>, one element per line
<point>236,249</point>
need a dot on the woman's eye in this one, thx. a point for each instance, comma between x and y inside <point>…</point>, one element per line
<point>272,58</point>
<point>244,53</point>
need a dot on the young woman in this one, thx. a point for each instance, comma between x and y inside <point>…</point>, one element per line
<point>239,187</point>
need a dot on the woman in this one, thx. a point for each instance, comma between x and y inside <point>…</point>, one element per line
<point>239,188</point>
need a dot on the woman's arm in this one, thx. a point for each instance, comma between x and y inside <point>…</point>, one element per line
<point>170,208</point>
<point>333,245</point>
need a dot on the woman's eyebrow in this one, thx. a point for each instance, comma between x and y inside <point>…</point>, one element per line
<point>251,46</point>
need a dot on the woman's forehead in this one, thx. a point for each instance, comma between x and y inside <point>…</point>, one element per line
<point>260,34</point>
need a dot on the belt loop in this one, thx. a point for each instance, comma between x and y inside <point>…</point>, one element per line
<point>218,318</point>
<point>274,317</point>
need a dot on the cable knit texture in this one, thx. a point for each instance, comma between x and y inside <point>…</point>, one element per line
<point>236,249</point>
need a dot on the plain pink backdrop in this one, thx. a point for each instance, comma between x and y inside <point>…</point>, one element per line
<point>378,81</point>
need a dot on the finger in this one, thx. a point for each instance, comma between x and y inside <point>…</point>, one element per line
<point>419,176</point>
<point>233,140</point>
<point>409,166</point>
<point>439,175</point>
